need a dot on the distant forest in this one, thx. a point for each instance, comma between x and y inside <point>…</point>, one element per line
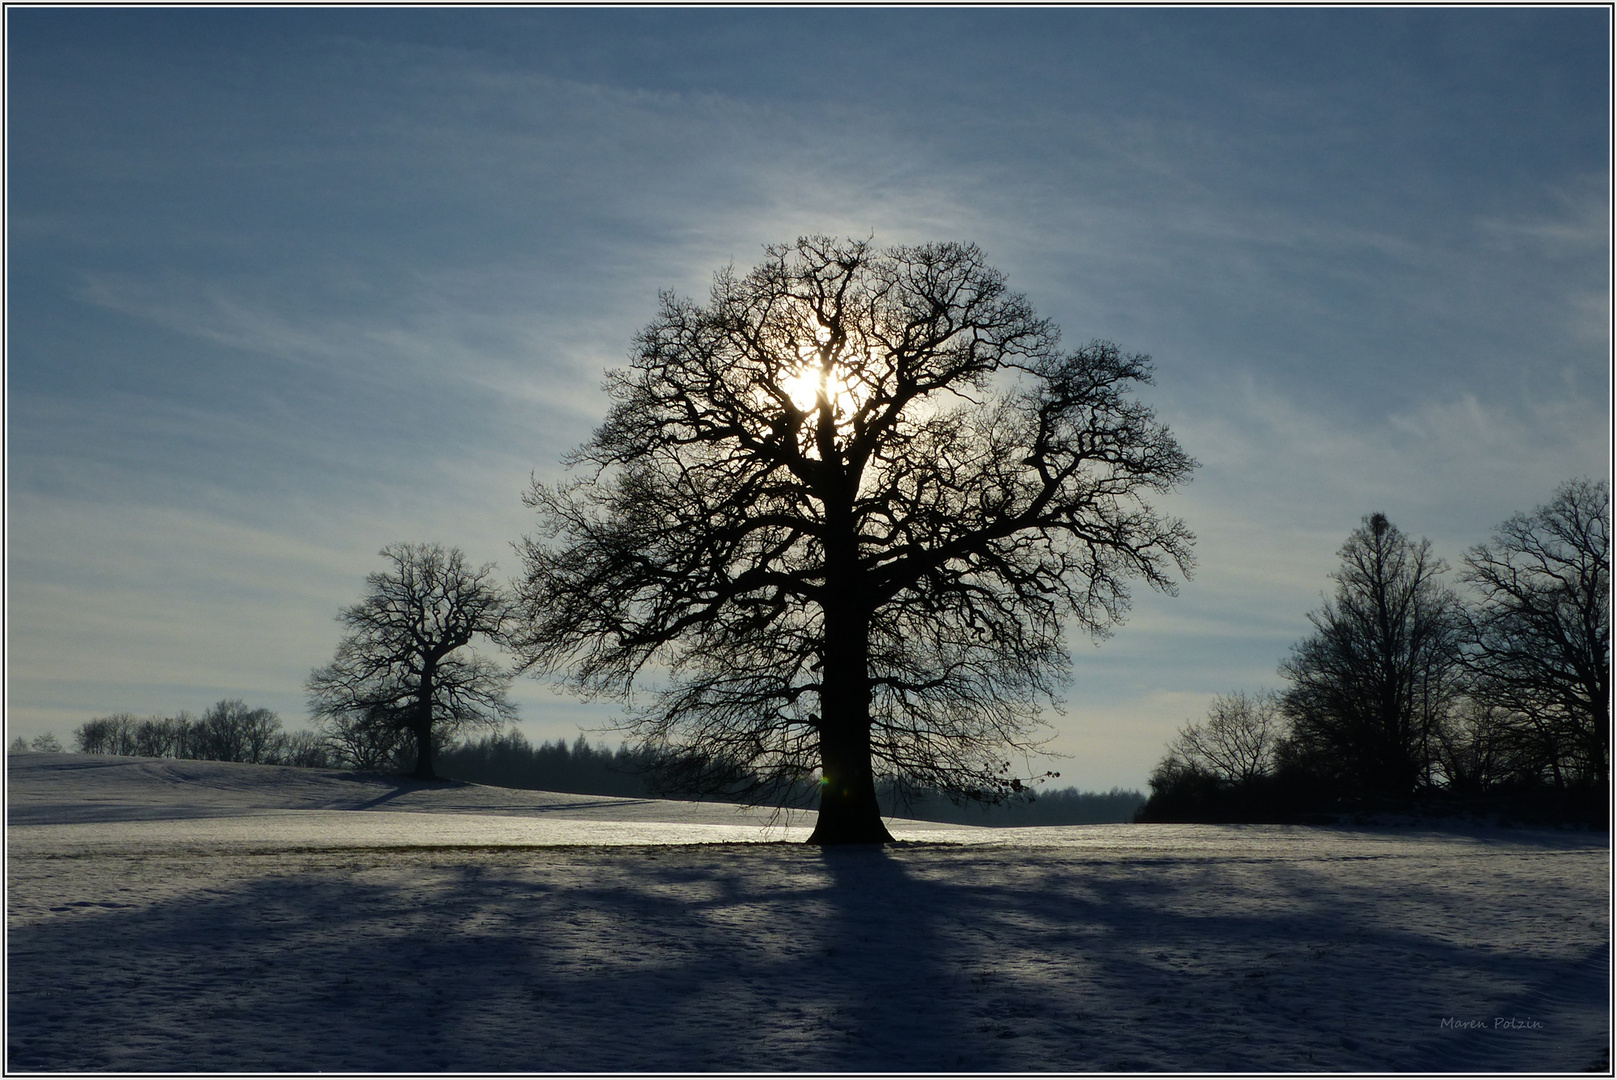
<point>509,760</point>
<point>230,731</point>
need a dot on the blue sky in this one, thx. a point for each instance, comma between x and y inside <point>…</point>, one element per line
<point>289,285</point>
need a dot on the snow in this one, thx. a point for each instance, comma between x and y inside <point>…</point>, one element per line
<point>200,916</point>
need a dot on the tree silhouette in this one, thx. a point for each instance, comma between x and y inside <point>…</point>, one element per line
<point>835,520</point>
<point>1238,740</point>
<point>1541,636</point>
<point>230,731</point>
<point>1372,685</point>
<point>403,668</point>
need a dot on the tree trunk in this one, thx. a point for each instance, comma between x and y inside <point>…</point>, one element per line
<point>423,753</point>
<point>423,717</point>
<point>849,813</point>
<point>1596,737</point>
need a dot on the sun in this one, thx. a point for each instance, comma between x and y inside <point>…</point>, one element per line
<point>805,386</point>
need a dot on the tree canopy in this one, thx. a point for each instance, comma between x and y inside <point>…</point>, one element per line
<point>1541,633</point>
<point>837,519</point>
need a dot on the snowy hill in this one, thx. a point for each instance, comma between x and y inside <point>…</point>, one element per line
<point>61,789</point>
<point>174,915</point>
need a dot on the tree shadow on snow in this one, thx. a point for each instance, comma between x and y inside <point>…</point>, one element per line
<point>777,957</point>
<point>684,958</point>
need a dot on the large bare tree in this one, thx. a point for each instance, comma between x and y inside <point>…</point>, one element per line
<point>1541,635</point>
<point>405,665</point>
<point>836,520</point>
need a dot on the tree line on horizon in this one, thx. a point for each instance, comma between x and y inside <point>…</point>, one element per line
<point>510,760</point>
<point>230,731</point>
<point>227,731</point>
<point>1412,695</point>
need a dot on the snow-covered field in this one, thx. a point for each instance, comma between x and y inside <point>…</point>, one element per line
<point>173,915</point>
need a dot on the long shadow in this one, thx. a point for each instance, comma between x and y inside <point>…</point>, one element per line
<point>388,796</point>
<point>733,958</point>
<point>885,981</point>
<point>619,959</point>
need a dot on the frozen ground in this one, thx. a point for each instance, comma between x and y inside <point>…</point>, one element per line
<point>167,915</point>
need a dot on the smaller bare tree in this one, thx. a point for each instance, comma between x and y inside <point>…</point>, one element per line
<point>1481,746</point>
<point>1237,740</point>
<point>405,666</point>
<point>47,743</point>
<point>359,743</point>
<point>161,737</point>
<point>304,749</point>
<point>115,734</point>
<point>1372,685</point>
<point>230,731</point>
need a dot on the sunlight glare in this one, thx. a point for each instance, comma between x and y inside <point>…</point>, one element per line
<point>805,386</point>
